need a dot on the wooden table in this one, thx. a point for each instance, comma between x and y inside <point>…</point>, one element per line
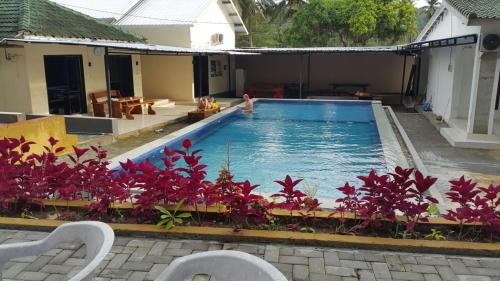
<point>129,106</point>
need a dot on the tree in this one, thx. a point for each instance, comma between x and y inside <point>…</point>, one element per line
<point>353,23</point>
<point>249,10</point>
<point>431,8</point>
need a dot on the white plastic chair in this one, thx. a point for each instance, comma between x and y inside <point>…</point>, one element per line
<point>222,266</point>
<point>98,238</point>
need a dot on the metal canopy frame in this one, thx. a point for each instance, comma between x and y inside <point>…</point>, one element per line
<point>416,47</point>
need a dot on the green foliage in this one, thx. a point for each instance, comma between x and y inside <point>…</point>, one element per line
<point>171,219</point>
<point>435,235</point>
<point>352,23</point>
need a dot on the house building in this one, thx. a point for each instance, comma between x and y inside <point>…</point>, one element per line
<point>45,78</point>
<point>461,81</point>
<point>196,24</point>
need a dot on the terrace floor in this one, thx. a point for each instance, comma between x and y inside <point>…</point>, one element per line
<point>445,161</point>
<point>135,259</point>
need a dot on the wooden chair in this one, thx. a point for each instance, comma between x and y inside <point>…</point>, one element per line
<point>100,99</point>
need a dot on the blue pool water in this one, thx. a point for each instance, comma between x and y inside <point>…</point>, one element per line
<point>325,143</point>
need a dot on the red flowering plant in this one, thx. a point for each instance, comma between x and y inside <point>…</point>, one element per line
<point>193,187</point>
<point>289,198</point>
<point>476,205</point>
<point>384,197</point>
<point>151,184</point>
<point>243,205</point>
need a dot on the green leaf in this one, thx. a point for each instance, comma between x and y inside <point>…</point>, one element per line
<point>169,225</point>
<point>161,209</point>
<point>178,221</point>
<point>178,205</point>
<point>184,215</point>
<point>162,222</point>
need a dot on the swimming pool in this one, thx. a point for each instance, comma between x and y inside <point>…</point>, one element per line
<point>324,142</point>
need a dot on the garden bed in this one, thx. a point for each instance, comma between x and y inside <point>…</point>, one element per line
<point>386,209</point>
<point>284,237</point>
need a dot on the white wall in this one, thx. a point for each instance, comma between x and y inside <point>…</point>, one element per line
<point>201,33</point>
<point>218,84</point>
<point>170,35</point>
<point>451,26</point>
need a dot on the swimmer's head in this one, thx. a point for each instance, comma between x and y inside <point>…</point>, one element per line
<point>246,97</point>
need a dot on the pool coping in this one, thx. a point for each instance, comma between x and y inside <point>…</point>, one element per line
<point>387,137</point>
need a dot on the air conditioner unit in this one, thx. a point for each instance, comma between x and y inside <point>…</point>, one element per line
<point>490,43</point>
<point>218,38</point>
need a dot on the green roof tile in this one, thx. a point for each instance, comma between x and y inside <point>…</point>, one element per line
<point>45,18</point>
<point>477,9</point>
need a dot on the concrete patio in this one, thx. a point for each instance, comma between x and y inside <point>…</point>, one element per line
<point>136,259</point>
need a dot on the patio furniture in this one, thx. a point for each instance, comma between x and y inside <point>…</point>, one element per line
<point>99,101</point>
<point>98,238</point>
<point>131,105</point>
<point>197,115</point>
<point>221,266</point>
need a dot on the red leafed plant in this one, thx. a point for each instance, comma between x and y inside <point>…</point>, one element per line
<point>474,208</point>
<point>291,198</point>
<point>242,205</point>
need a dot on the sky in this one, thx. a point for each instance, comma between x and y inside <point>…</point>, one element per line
<point>421,3</point>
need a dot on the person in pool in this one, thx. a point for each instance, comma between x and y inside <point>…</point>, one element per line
<point>248,103</point>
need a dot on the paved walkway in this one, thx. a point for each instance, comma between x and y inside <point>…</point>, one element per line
<point>445,161</point>
<point>143,259</point>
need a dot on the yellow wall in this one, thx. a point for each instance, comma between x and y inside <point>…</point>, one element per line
<point>29,92</point>
<point>218,84</point>
<point>382,71</point>
<point>13,81</point>
<point>40,130</point>
<point>168,77</point>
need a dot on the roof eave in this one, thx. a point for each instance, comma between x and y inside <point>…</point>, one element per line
<point>236,18</point>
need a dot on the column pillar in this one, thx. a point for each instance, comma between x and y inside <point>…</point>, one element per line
<point>481,93</point>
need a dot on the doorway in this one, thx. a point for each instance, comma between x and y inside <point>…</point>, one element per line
<point>65,84</point>
<point>121,77</point>
<point>200,71</point>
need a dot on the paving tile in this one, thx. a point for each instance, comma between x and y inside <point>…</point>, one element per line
<point>57,269</point>
<point>332,258</point>
<point>458,266</point>
<point>141,243</point>
<point>493,263</point>
<point>300,272</point>
<point>14,270</point>
<point>177,252</point>
<point>293,260</point>
<point>381,270</point>
<point>323,277</point>
<point>394,263</point>
<point>158,248</point>
<point>155,271</point>
<point>354,264</point>
<point>271,253</point>
<point>473,278</point>
<point>420,268</point>
<point>432,260</point>
<point>317,265</point>
<point>446,273</point>
<point>139,254</point>
<point>407,276</point>
<point>310,253</point>
<point>137,266</point>
<point>118,261</point>
<point>406,259</point>
<point>366,275</point>
<point>485,271</point>
<point>340,271</point>
<point>61,257</point>
<point>32,276</point>
<point>432,277</point>
<point>137,276</point>
<point>39,263</point>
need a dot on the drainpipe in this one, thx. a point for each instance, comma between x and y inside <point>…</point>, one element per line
<point>308,73</point>
<point>108,80</point>
<point>403,81</point>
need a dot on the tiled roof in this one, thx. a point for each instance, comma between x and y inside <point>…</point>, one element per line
<point>20,18</point>
<point>477,9</point>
